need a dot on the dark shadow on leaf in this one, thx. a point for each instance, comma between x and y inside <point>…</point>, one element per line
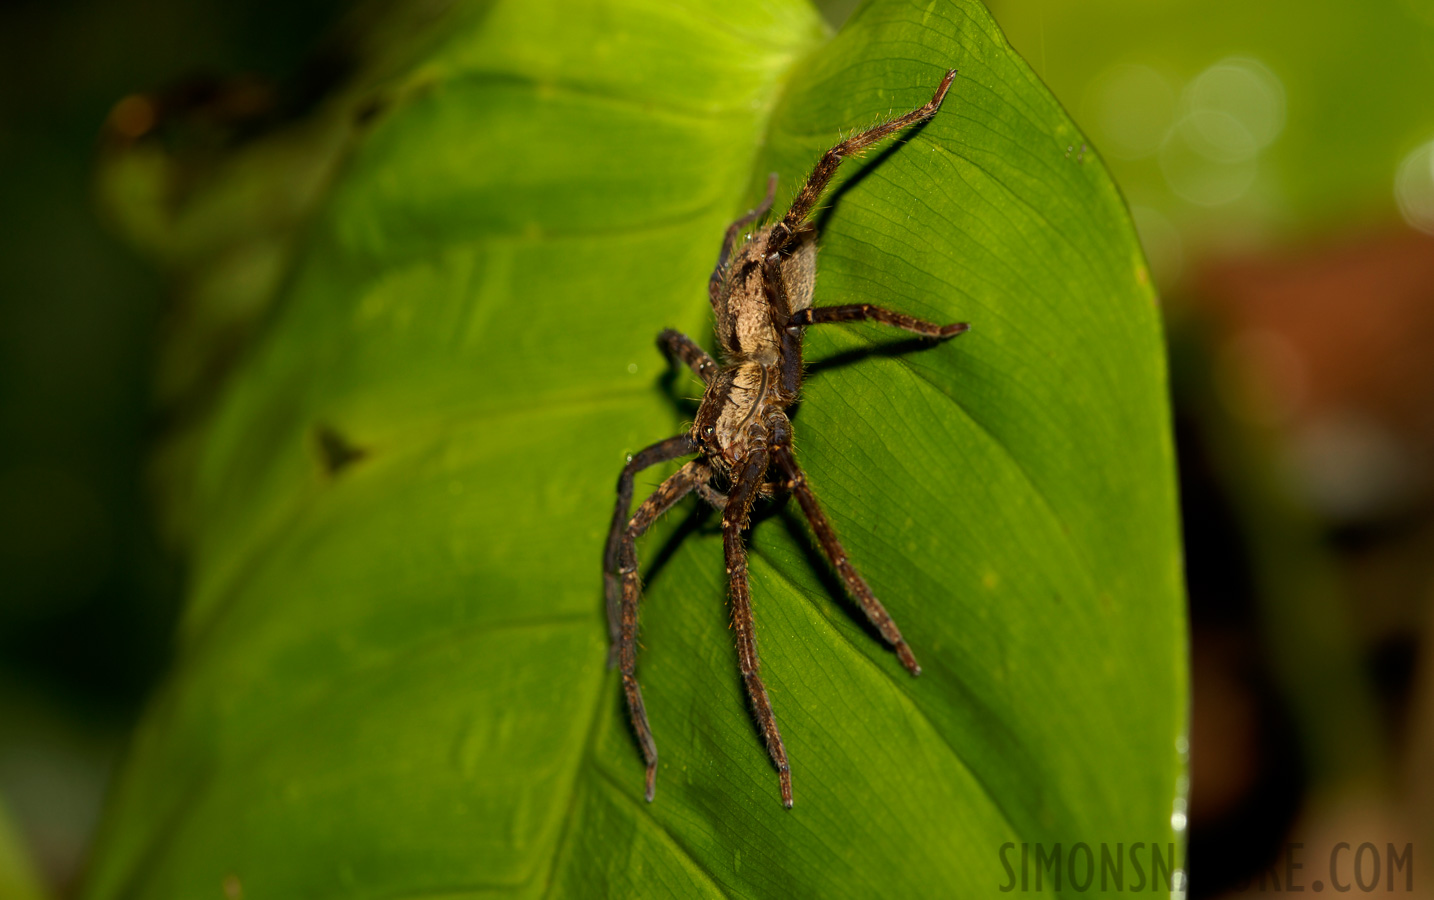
<point>849,357</point>
<point>691,524</point>
<point>801,535</point>
<point>669,383</point>
<point>336,451</point>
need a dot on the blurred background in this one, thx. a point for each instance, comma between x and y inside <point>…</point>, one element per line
<point>1278,159</point>
<point>88,594</point>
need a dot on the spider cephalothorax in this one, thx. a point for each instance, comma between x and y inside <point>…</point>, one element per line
<point>762,296</point>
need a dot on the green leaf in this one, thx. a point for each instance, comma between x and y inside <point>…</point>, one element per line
<point>18,879</point>
<point>393,671</point>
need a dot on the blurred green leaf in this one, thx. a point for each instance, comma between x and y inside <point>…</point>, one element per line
<point>18,880</point>
<point>392,677</point>
<point>1233,122</point>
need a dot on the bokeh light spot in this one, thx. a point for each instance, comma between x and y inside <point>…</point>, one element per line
<point>1243,90</point>
<point>1194,175</point>
<point>1132,107</point>
<point>1414,188</point>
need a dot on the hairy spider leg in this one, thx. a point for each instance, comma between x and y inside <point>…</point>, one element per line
<point>831,546</point>
<point>714,282</point>
<point>660,452</point>
<point>795,220</point>
<point>857,312</point>
<point>797,480</point>
<point>713,497</point>
<point>684,349</point>
<point>735,519</point>
<point>718,500</point>
<point>794,226</point>
<point>685,481</point>
<point>790,381</point>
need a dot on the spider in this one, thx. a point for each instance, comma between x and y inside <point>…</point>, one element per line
<point>762,297</point>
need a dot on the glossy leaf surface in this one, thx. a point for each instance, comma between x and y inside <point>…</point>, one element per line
<point>392,678</point>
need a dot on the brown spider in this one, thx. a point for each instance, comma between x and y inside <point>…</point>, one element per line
<point>763,301</point>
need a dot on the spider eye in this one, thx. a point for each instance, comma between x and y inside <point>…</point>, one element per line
<point>709,431</point>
